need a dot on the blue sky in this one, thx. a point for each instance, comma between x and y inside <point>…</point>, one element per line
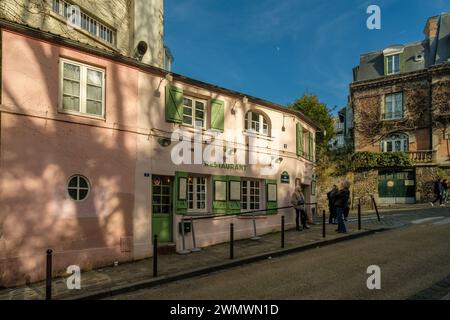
<point>279,49</point>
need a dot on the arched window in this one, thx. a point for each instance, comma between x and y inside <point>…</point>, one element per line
<point>256,122</point>
<point>397,142</point>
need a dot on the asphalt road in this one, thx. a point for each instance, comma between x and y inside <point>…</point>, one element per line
<point>412,258</point>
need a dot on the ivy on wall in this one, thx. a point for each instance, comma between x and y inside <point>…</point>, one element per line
<point>370,160</point>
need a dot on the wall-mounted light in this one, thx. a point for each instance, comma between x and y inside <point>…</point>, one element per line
<point>279,160</point>
<point>164,142</point>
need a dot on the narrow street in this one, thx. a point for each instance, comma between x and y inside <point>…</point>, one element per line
<point>412,258</point>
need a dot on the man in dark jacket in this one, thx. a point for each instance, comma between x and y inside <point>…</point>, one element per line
<point>330,196</point>
<point>445,191</point>
<point>438,191</point>
<point>341,202</point>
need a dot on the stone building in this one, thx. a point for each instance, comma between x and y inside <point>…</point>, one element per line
<point>133,28</point>
<point>400,98</point>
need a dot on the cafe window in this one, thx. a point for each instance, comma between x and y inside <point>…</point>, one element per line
<point>194,112</point>
<point>196,194</point>
<point>251,195</point>
<point>256,122</point>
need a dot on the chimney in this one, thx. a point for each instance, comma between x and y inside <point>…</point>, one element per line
<point>431,28</point>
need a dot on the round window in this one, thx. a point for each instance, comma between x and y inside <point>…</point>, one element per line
<point>78,187</point>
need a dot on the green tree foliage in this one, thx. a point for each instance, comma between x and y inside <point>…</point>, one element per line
<point>317,111</point>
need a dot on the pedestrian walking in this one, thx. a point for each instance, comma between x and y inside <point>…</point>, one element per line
<point>445,190</point>
<point>298,201</point>
<point>331,207</point>
<point>439,192</point>
<point>341,202</point>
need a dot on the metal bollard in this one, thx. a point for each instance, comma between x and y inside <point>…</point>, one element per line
<point>376,208</point>
<point>155,256</point>
<point>282,232</point>
<point>359,216</point>
<point>324,223</point>
<point>48,282</point>
<point>194,248</point>
<point>231,241</point>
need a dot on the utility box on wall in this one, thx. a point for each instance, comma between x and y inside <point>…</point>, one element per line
<point>187,227</point>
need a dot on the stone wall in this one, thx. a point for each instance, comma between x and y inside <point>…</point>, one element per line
<point>425,177</point>
<point>364,184</point>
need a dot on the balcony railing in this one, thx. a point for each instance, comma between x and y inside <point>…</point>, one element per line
<point>422,156</point>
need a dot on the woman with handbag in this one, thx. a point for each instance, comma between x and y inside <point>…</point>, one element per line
<point>298,201</point>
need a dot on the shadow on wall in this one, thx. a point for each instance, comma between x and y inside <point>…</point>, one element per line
<point>38,155</point>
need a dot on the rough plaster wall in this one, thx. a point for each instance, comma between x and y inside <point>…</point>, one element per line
<point>38,14</point>
<point>149,27</point>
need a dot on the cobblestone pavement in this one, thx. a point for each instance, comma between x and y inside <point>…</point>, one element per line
<point>126,274</point>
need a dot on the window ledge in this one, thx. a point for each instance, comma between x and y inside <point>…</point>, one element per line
<point>257,135</point>
<point>83,115</point>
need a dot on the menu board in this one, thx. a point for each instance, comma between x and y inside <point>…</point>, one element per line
<point>220,193</point>
<point>271,192</point>
<point>235,190</point>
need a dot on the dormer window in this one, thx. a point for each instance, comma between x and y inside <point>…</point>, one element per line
<point>256,122</point>
<point>393,64</point>
<point>393,59</point>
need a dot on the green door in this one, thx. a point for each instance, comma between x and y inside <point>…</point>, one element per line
<point>397,186</point>
<point>386,184</point>
<point>162,208</point>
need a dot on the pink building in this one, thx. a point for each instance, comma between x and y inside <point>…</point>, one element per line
<point>87,163</point>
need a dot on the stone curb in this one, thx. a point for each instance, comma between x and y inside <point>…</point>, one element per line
<point>113,291</point>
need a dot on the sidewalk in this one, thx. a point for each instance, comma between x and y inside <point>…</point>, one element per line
<point>175,267</point>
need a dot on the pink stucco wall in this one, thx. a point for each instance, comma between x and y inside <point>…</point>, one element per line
<point>41,149</point>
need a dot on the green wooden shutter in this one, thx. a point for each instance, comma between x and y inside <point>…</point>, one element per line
<point>300,141</point>
<point>385,66</point>
<point>402,62</point>
<point>233,206</point>
<point>179,205</point>
<point>271,205</point>
<point>311,151</point>
<point>219,207</point>
<point>217,114</point>
<point>174,104</point>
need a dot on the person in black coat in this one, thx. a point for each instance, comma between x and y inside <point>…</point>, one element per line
<point>341,200</point>
<point>438,191</point>
<point>331,207</point>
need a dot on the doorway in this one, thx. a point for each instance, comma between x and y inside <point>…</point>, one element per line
<point>162,217</point>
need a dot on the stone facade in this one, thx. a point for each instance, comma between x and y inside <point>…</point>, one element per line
<point>129,20</point>
<point>365,184</point>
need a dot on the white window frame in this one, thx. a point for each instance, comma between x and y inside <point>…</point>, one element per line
<point>447,133</point>
<point>262,121</point>
<point>247,201</point>
<point>194,109</point>
<point>193,180</point>
<point>83,88</point>
<point>394,106</point>
<point>397,137</point>
<point>390,68</point>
